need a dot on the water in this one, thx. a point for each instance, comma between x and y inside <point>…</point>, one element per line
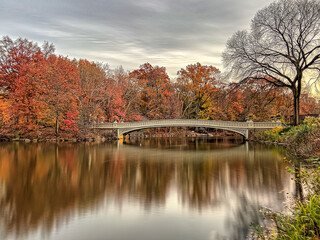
<point>155,189</point>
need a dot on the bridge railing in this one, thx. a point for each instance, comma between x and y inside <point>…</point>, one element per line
<point>185,122</point>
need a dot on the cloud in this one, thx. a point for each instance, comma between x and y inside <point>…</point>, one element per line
<point>170,33</point>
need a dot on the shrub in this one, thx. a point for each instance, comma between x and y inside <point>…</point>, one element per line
<point>304,139</point>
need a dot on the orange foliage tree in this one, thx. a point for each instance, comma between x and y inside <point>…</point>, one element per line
<point>25,98</point>
<point>196,86</point>
<point>156,93</point>
<point>20,73</point>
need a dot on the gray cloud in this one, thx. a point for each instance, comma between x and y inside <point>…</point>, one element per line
<point>170,33</point>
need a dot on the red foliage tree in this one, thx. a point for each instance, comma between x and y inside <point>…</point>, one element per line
<point>61,87</point>
<point>13,56</point>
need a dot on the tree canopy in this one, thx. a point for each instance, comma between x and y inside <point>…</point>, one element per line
<point>43,95</point>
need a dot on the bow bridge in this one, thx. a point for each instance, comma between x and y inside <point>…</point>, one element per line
<point>238,127</point>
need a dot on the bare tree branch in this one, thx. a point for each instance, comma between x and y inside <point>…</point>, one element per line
<point>282,45</point>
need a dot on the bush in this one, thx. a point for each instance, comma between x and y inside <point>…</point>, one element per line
<point>303,139</point>
<point>274,135</point>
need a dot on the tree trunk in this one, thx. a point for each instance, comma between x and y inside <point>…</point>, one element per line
<point>297,178</point>
<point>57,125</point>
<point>197,108</point>
<point>296,106</point>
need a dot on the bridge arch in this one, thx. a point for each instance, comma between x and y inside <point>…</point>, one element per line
<point>242,132</point>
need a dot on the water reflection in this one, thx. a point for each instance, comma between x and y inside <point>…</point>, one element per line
<point>216,186</point>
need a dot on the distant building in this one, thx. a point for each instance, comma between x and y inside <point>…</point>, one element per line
<point>302,117</point>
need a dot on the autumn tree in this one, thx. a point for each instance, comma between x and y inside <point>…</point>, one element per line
<point>156,94</point>
<point>229,103</point>
<point>25,101</point>
<point>21,65</point>
<point>196,86</point>
<point>92,82</point>
<point>130,96</point>
<point>282,47</point>
<point>308,104</point>
<point>235,102</point>
<point>113,102</point>
<point>61,87</point>
<point>13,54</point>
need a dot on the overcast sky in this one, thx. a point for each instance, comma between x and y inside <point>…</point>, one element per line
<point>169,33</point>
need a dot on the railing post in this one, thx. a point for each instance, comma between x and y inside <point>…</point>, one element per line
<point>118,133</point>
<point>246,134</point>
<point>250,123</point>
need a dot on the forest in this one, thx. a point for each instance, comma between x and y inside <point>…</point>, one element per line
<point>45,95</point>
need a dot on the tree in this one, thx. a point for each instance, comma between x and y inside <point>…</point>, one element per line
<point>92,82</point>
<point>156,93</point>
<point>129,94</point>
<point>113,103</point>
<point>61,87</point>
<point>282,47</point>
<point>195,86</point>
<point>21,62</point>
<point>25,99</point>
<point>13,54</point>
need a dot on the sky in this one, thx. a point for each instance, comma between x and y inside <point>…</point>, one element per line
<point>168,33</point>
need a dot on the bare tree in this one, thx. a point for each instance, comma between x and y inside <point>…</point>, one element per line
<point>47,49</point>
<point>282,47</point>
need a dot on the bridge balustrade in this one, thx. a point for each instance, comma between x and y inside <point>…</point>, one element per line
<point>238,127</point>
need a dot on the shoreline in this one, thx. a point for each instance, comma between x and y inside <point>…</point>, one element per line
<point>110,138</point>
<point>268,142</point>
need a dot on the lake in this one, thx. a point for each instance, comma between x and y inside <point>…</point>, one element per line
<point>143,189</point>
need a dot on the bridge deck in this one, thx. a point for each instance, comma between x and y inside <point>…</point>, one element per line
<point>239,127</point>
<point>189,123</point>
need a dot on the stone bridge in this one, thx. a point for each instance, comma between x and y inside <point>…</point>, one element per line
<point>237,127</point>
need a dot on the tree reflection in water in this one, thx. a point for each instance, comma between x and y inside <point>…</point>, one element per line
<point>43,186</point>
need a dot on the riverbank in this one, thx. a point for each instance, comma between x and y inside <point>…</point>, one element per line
<point>303,140</point>
<point>302,218</point>
<point>48,135</point>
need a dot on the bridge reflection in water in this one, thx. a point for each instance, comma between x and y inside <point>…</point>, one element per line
<point>47,187</point>
<point>238,127</point>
